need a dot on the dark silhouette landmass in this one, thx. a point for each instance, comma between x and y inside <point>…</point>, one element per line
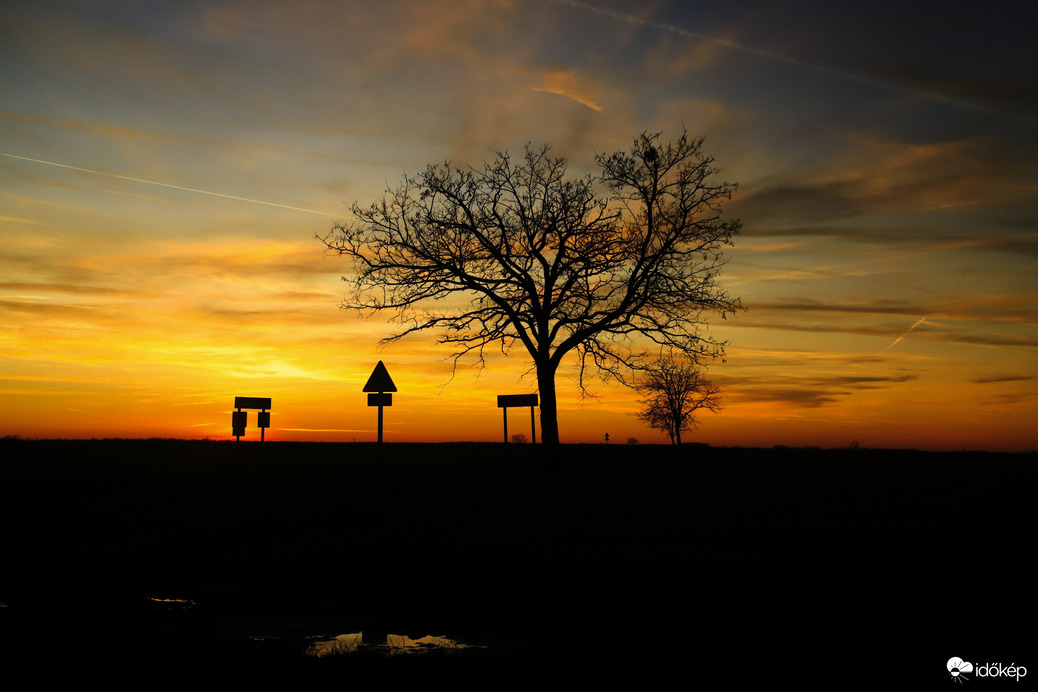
<point>162,563</point>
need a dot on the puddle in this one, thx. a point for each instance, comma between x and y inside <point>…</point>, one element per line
<point>342,644</point>
<point>172,603</point>
<point>398,643</point>
<point>394,644</point>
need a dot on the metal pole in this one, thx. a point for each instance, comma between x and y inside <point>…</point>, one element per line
<point>380,421</point>
<point>505,410</point>
<point>533,427</point>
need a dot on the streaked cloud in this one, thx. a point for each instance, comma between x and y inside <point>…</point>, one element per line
<point>995,379</point>
<point>111,131</point>
<point>808,392</point>
<point>877,177</point>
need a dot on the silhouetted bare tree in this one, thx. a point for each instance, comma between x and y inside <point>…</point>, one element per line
<point>675,389</point>
<point>519,252</point>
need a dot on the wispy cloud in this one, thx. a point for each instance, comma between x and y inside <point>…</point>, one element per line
<point>1000,321</point>
<point>808,392</point>
<point>112,131</point>
<point>688,33</point>
<point>12,219</point>
<point>33,307</point>
<point>564,83</point>
<point>896,78</point>
<point>994,379</point>
<point>875,177</point>
<point>45,287</point>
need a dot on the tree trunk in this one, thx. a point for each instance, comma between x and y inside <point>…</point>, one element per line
<point>549,411</point>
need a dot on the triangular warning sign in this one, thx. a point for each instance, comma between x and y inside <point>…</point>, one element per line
<point>380,381</point>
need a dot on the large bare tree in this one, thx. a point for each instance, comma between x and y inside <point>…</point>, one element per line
<point>603,267</point>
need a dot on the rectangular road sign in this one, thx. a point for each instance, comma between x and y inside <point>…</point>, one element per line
<point>239,421</point>
<point>252,402</point>
<point>375,399</point>
<point>509,400</point>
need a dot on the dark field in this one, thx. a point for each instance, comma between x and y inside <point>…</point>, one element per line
<point>781,567</point>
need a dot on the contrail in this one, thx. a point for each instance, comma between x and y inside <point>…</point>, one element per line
<point>907,332</point>
<point>863,79</point>
<point>175,187</point>
<point>954,293</point>
<point>680,31</point>
<point>966,269</point>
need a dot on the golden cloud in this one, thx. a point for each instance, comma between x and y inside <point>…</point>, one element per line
<point>564,83</point>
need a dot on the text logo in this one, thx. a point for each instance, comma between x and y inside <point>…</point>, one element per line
<point>958,669</point>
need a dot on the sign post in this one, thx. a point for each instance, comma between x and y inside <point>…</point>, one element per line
<point>239,421</point>
<point>239,418</point>
<point>379,390</point>
<point>505,401</point>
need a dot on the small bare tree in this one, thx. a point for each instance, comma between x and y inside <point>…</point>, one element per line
<point>518,253</point>
<point>674,390</point>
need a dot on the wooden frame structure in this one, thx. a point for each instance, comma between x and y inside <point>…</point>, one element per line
<point>506,401</point>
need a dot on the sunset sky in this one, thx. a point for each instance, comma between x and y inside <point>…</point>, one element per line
<point>165,166</point>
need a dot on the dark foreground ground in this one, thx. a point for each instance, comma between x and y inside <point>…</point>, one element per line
<point>179,564</point>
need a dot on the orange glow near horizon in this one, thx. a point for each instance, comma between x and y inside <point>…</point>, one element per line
<point>178,399</point>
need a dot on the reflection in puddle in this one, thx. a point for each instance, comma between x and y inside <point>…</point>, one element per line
<point>398,643</point>
<point>320,646</point>
<point>343,644</point>
<point>393,645</point>
<point>173,603</point>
